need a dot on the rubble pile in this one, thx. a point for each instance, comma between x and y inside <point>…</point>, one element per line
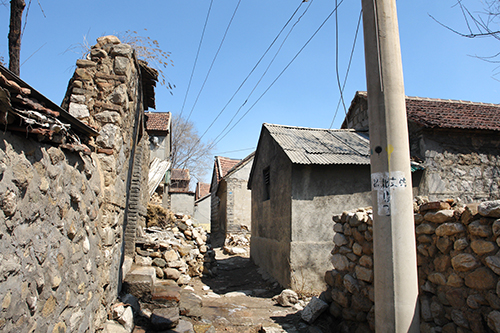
<point>174,247</point>
<point>458,262</point>
<point>237,244</point>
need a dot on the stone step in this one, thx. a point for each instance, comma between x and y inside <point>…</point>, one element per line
<point>166,292</point>
<point>139,282</point>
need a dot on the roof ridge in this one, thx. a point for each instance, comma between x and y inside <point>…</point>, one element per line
<point>312,128</point>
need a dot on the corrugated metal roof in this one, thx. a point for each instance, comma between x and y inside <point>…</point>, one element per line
<point>321,146</point>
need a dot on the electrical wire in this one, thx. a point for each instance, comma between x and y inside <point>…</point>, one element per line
<point>213,61</point>
<point>288,65</point>
<point>337,56</point>
<point>265,72</point>
<point>348,67</point>
<point>196,58</point>
<point>253,69</point>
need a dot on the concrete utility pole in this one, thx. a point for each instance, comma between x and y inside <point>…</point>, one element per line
<point>395,263</point>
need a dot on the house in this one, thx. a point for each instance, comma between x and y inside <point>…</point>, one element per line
<point>300,178</point>
<point>202,204</point>
<point>457,142</point>
<point>230,197</point>
<point>181,199</point>
<point>159,129</point>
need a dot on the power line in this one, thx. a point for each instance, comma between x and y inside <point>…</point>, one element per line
<point>253,69</point>
<point>235,151</point>
<point>291,61</point>
<point>213,61</point>
<point>348,66</point>
<point>337,56</point>
<point>265,72</point>
<point>196,58</point>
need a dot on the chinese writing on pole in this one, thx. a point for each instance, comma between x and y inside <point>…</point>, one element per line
<point>385,183</point>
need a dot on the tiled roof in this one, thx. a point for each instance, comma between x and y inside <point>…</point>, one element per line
<point>223,165</point>
<point>179,174</point>
<point>321,146</point>
<point>452,114</point>
<point>202,189</point>
<point>157,121</point>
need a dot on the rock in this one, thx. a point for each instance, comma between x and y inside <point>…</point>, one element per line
<point>143,261</point>
<point>164,318</point>
<point>460,244</point>
<point>425,228</point>
<point>489,208</point>
<point>494,321</point>
<point>139,282</point>
<point>442,263</point>
<point>437,278</point>
<point>475,301</point>
<point>464,262</point>
<point>351,284</point>
<point>183,279</point>
<point>340,262</point>
<point>496,228</point>
<point>113,327</point>
<point>313,310</point>
<point>443,244</point>
<point>363,273</point>
<point>287,297</point>
<point>449,229</point>
<point>440,216</point>
<point>480,246</point>
<point>79,111</point>
<point>481,278</point>
<point>8,203</point>
<point>339,239</point>
<point>132,301</point>
<point>171,273</point>
<point>493,262</point>
<point>159,262</point>
<point>234,250</point>
<point>454,280</point>
<point>459,319</point>
<point>476,228</point>
<point>366,261</point>
<point>124,316</point>
<point>435,205</point>
<point>185,326</point>
<point>190,304</point>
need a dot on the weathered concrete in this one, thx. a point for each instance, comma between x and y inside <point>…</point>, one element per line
<point>182,202</point>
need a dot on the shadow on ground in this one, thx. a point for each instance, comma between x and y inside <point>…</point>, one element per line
<point>239,273</point>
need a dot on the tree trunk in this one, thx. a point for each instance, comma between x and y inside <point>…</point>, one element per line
<point>16,14</point>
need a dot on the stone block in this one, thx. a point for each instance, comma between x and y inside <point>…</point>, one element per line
<point>166,293</point>
<point>164,318</point>
<point>313,310</point>
<point>190,304</point>
<point>139,282</point>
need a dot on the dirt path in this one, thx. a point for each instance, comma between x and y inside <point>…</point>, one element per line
<point>240,300</point>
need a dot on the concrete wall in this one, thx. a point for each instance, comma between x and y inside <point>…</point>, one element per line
<point>159,147</point>
<point>182,203</point>
<point>318,192</point>
<point>270,227</point>
<point>239,199</point>
<point>63,214</point>
<point>202,212</point>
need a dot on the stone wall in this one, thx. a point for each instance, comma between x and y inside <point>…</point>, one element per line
<point>458,267</point>
<point>63,213</point>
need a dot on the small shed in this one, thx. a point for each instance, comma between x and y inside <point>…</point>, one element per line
<point>231,200</point>
<point>300,178</point>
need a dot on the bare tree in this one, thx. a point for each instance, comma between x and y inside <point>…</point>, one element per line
<point>188,151</point>
<point>16,14</point>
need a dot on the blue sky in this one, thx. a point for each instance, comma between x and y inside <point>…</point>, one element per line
<point>436,62</point>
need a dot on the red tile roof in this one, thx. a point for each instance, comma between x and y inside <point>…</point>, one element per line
<point>202,189</point>
<point>441,113</point>
<point>223,165</point>
<point>157,121</point>
<point>179,174</point>
<point>450,114</point>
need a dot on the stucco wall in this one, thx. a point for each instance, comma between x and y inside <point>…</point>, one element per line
<point>270,227</point>
<point>202,212</point>
<point>159,146</point>
<point>318,192</point>
<point>182,203</point>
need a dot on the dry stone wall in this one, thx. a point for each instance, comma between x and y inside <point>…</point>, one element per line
<point>62,214</point>
<point>458,267</point>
